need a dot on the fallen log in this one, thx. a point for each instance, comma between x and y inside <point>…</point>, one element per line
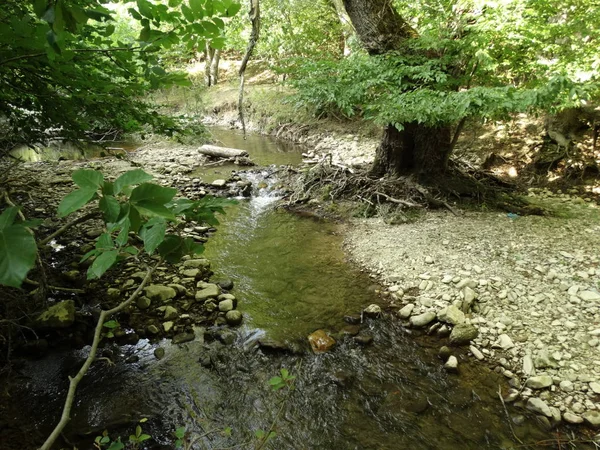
<point>222,152</point>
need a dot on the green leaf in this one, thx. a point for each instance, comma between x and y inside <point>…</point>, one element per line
<point>102,263</point>
<point>174,247</point>
<point>153,236</point>
<point>144,437</point>
<point>218,43</point>
<point>8,216</point>
<point>110,208</point>
<point>111,324</point>
<point>75,200</point>
<point>275,381</point>
<point>198,7</point>
<point>49,15</point>
<point>259,434</point>
<point>174,3</point>
<point>187,13</point>
<point>105,242</point>
<point>89,254</point>
<point>154,193</point>
<point>233,9</point>
<point>18,252</point>
<point>153,209</point>
<point>130,178</point>
<point>210,27</point>
<point>39,7</point>
<point>117,445</point>
<point>145,8</point>
<point>131,250</point>
<point>180,432</point>
<point>32,223</point>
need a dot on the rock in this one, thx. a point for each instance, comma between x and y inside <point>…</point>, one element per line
<point>152,329</point>
<point>476,353</point>
<point>143,302</point>
<point>159,293</point>
<point>372,311</point>
<point>219,183</point>
<point>350,330</point>
<point>452,364</point>
<point>539,406</point>
<point>225,337</point>
<point>566,386</point>
<point>113,293</point>
<point>181,290</point>
<point>528,367</point>
<point>428,260</point>
<point>209,291</point>
<point>451,315</point>
<point>444,353</point>
<point>138,276</point>
<point>167,326</point>
<point>203,264</point>
<point>171,313</point>
<point>539,382</point>
<point>363,339</point>
<point>180,338</point>
<point>226,284</point>
<point>352,319</point>
<point>569,417</point>
<point>422,319</point>
<point>196,274</point>
<point>589,296</point>
<point>592,418</point>
<point>320,341</point>
<point>406,311</point>
<point>226,305</point>
<point>234,318</point>
<point>463,333</point>
<point>60,315</point>
<point>504,342</point>
<point>159,353</point>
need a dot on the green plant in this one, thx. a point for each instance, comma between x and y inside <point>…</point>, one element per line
<point>282,381</point>
<point>139,437</point>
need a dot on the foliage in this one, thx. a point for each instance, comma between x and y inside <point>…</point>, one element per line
<point>64,75</point>
<point>130,204</point>
<point>470,59</point>
<point>280,382</point>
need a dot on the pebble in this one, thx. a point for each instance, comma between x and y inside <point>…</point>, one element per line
<point>504,342</point>
<point>539,382</point>
<point>421,320</point>
<point>569,417</point>
<point>406,311</point>
<point>452,364</point>
<point>539,406</point>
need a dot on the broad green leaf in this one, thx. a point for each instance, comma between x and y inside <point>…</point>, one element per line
<point>198,7</point>
<point>108,188</point>
<point>111,324</point>
<point>144,437</point>
<point>89,254</point>
<point>153,236</point>
<point>117,445</point>
<point>145,8</point>
<point>153,209</point>
<point>123,236</point>
<point>174,3</point>
<point>75,200</point>
<point>218,43</point>
<point>174,247</point>
<point>233,9</point>
<point>131,250</point>
<point>137,176</point>
<point>105,242</point>
<point>110,208</point>
<point>18,252</point>
<point>8,216</point>
<point>134,219</point>
<point>32,223</point>
<point>211,28</point>
<point>180,432</point>
<point>154,193</point>
<point>187,13</point>
<point>102,263</point>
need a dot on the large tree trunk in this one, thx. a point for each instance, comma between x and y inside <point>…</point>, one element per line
<point>416,149</point>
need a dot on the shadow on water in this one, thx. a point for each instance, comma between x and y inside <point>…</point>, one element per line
<point>291,279</point>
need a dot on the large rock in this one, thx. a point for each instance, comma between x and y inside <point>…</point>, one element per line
<point>539,382</point>
<point>226,305</point>
<point>451,315</point>
<point>539,406</point>
<point>592,418</point>
<point>406,311</point>
<point>589,296</point>
<point>159,293</point>
<point>422,319</point>
<point>463,333</point>
<point>183,337</point>
<point>171,313</point>
<point>233,318</point>
<point>203,264</point>
<point>60,315</point>
<point>320,341</point>
<point>372,311</point>
<point>208,291</point>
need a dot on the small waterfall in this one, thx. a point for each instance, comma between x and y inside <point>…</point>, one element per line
<point>264,190</point>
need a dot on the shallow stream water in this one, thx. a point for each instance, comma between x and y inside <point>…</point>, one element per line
<point>291,278</point>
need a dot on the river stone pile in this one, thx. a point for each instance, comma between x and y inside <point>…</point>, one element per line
<point>523,294</point>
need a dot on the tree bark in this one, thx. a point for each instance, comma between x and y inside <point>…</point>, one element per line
<point>214,66</point>
<point>209,56</point>
<point>221,152</point>
<point>416,149</point>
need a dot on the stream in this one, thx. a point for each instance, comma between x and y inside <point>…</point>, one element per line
<point>291,278</point>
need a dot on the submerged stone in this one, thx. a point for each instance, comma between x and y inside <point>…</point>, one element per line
<point>320,341</point>
<point>60,315</point>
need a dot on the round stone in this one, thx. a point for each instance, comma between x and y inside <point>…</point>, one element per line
<point>233,318</point>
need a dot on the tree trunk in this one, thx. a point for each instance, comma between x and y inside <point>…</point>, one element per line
<point>417,149</point>
<point>214,66</point>
<point>347,27</point>
<point>209,56</point>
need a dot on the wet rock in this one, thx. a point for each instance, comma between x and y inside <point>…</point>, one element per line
<point>320,341</point>
<point>234,318</point>
<point>219,183</point>
<point>372,311</point>
<point>159,353</point>
<point>444,353</point>
<point>143,302</point>
<point>181,290</point>
<point>463,333</point>
<point>422,320</point>
<point>180,338</point>
<point>203,264</point>
<point>569,417</point>
<point>592,418</point>
<point>167,326</point>
<point>208,291</point>
<point>539,406</point>
<point>350,330</point>
<point>152,329</point>
<point>225,337</point>
<point>113,293</point>
<point>192,273</point>
<point>60,315</point>
<point>37,347</point>
<point>226,305</point>
<point>451,315</point>
<point>226,285</point>
<point>171,313</point>
<point>273,346</point>
<point>539,382</point>
<point>363,339</point>
<point>352,319</point>
<point>452,364</point>
<point>159,293</point>
<point>128,338</point>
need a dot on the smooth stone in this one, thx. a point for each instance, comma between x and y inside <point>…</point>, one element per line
<point>476,353</point>
<point>422,319</point>
<point>504,342</point>
<point>225,337</point>
<point>234,318</point>
<point>595,387</point>
<point>159,353</point>
<point>143,302</point>
<point>208,291</point>
<point>539,406</point>
<point>539,382</point>
<point>171,313</point>
<point>226,284</point>
<point>183,337</point>
<point>197,263</point>
<point>159,293</point>
<point>463,333</point>
<point>219,183</point>
<point>406,311</point>
<point>592,418</point>
<point>528,367</point>
<point>569,417</point>
<point>589,296</point>
<point>363,339</point>
<point>60,315</point>
<point>152,329</point>
<point>451,315</point>
<point>181,290</point>
<point>452,364</point>
<point>226,305</point>
<point>320,341</point>
<point>444,353</point>
<point>192,273</point>
<point>372,310</point>
<point>113,293</point>
<point>566,386</point>
<point>167,326</point>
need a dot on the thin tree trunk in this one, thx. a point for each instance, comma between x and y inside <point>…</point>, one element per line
<point>347,27</point>
<point>214,66</point>
<point>209,55</point>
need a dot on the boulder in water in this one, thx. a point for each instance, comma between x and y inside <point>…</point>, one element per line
<point>320,341</point>
<point>60,315</point>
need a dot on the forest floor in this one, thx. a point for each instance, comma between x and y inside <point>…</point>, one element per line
<point>528,285</point>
